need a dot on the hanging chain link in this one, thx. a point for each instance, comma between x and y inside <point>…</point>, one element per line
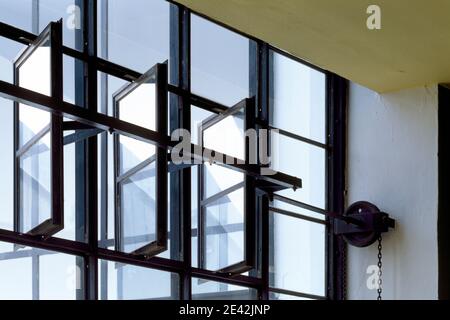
<point>380,272</point>
<point>344,268</point>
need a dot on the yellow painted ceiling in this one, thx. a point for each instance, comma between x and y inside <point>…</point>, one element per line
<point>411,49</point>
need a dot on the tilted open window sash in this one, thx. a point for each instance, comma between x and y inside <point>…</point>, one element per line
<point>38,138</point>
<point>226,198</point>
<point>140,168</point>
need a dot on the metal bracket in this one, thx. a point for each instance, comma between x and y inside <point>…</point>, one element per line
<point>362,224</point>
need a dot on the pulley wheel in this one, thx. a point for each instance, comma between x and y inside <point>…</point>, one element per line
<point>361,239</point>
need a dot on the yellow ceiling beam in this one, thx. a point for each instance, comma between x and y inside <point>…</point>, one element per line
<point>412,48</point>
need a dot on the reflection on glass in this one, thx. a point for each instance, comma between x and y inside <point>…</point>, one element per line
<point>210,290</point>
<point>198,115</point>
<point>145,37</point>
<point>218,178</point>
<point>17,13</point>
<point>72,84</point>
<point>31,122</point>
<point>70,12</point>
<point>107,84</point>
<point>7,164</point>
<point>298,100</point>
<point>73,227</point>
<point>35,184</point>
<point>304,161</point>
<point>297,255</point>
<point>33,16</point>
<point>31,273</point>
<point>125,282</point>
<point>220,62</point>
<point>224,231</point>
<point>194,216</point>
<point>138,205</point>
<point>8,53</point>
<point>132,152</point>
<point>60,276</point>
<point>15,279</point>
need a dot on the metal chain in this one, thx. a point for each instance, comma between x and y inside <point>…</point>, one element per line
<point>380,272</point>
<point>344,268</point>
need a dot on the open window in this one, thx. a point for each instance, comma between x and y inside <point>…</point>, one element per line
<point>226,198</point>
<point>140,168</point>
<point>38,138</point>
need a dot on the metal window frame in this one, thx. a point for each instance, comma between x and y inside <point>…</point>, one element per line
<point>248,185</point>
<point>181,99</point>
<point>53,34</point>
<point>335,125</point>
<point>158,76</point>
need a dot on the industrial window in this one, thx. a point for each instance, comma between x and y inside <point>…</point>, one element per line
<point>93,195</point>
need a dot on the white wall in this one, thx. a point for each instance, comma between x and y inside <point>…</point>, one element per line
<point>392,162</point>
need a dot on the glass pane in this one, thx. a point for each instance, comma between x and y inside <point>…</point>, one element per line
<point>297,255</point>
<point>107,85</point>
<point>60,276</point>
<point>17,13</point>
<point>34,74</point>
<point>53,10</point>
<point>35,194</point>
<point>295,209</point>
<point>227,136</point>
<point>138,206</point>
<point>126,282</point>
<point>298,100</point>
<point>73,228</point>
<point>73,80</point>
<point>220,62</point>
<point>224,231</point>
<point>16,274</point>
<point>198,115</point>
<point>194,216</point>
<point>31,122</point>
<point>146,37</point>
<point>30,273</point>
<point>137,107</point>
<point>281,296</point>
<point>9,51</point>
<point>34,16</point>
<point>210,290</point>
<point>7,164</point>
<point>132,152</point>
<point>218,178</point>
<point>304,161</point>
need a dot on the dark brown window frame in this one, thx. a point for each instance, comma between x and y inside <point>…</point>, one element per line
<point>53,34</point>
<point>179,74</point>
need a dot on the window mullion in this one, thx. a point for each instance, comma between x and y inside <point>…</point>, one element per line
<point>262,102</point>
<point>91,186</point>
<point>185,123</point>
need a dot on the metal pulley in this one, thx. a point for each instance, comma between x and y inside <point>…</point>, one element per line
<point>362,224</point>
